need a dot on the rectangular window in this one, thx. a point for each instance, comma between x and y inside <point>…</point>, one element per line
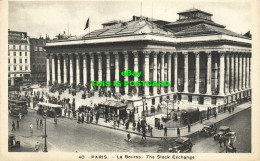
<point>25,60</point>
<point>35,48</point>
<point>21,75</point>
<point>21,61</point>
<point>153,101</point>
<point>14,75</point>
<point>8,53</point>
<point>14,53</point>
<point>8,75</point>
<point>20,53</point>
<point>20,47</point>
<point>25,47</point>
<point>8,68</point>
<point>25,53</point>
<point>26,68</point>
<point>8,60</point>
<point>14,68</point>
<point>21,68</point>
<point>13,46</point>
<point>14,60</point>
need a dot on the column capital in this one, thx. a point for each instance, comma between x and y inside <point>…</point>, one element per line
<point>98,53</point>
<point>146,53</point>
<point>124,52</point>
<point>222,53</point>
<point>107,53</point>
<point>115,52</point>
<point>196,53</point>
<point>135,53</point>
<point>154,53</point>
<point>185,53</point>
<point>76,54</point>
<point>209,54</point>
<point>162,53</point>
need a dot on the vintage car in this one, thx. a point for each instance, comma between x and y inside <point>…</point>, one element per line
<point>12,143</point>
<point>181,145</point>
<point>208,129</point>
<point>224,131</point>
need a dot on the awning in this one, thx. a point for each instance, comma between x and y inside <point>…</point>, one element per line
<point>111,103</point>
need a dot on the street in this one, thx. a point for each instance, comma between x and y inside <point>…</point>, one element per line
<point>69,136</point>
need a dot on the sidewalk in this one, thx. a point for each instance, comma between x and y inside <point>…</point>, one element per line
<point>172,132</point>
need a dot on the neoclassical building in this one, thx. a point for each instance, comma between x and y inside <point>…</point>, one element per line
<point>205,63</point>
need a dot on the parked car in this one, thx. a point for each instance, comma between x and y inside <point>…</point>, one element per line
<point>223,132</point>
<point>181,145</point>
<point>208,129</point>
<point>12,143</point>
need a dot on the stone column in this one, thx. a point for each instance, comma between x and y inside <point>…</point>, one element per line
<point>65,68</point>
<point>197,75</point>
<point>155,72</point>
<point>186,71</point>
<point>77,69</point>
<point>126,78</point>
<point>108,69</point>
<point>136,67</point>
<point>244,71</point>
<point>169,71</point>
<point>116,70</point>
<point>91,68</point>
<point>222,73</point>
<point>99,66</point>
<point>175,72</point>
<point>247,71</point>
<point>250,71</point>
<point>209,55</point>
<point>227,74</point>
<point>240,72</point>
<point>236,72</point>
<point>71,68</point>
<point>47,69</point>
<point>85,78</point>
<point>146,71</point>
<point>58,68</point>
<point>53,67</point>
<point>216,71</point>
<point>162,70</point>
<point>232,71</point>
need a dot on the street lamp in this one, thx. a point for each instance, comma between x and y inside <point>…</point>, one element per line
<point>144,100</point>
<point>167,101</point>
<point>45,136</point>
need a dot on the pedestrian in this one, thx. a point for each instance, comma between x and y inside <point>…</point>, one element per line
<point>20,115</point>
<point>158,125</point>
<point>128,137</point>
<point>138,126</point>
<point>82,118</point>
<point>215,115</point>
<point>123,121</point>
<point>189,127</point>
<point>207,116</point>
<point>151,129</point>
<point>118,122</point>
<point>220,141</point>
<point>31,128</point>
<point>13,126</point>
<point>143,134</point>
<point>55,120</point>
<point>178,132</point>
<point>37,122</point>
<point>17,124</point>
<point>37,147</point>
<point>134,125</point>
<point>165,131</point>
<point>41,125</point>
<point>201,119</point>
<point>127,125</point>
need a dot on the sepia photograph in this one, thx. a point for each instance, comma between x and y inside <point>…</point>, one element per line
<point>129,79</point>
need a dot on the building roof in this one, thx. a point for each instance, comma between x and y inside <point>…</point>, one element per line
<point>129,28</point>
<point>205,29</point>
<point>35,41</point>
<point>193,21</point>
<point>194,10</point>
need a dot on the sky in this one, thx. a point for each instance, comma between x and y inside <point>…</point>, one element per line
<point>54,17</point>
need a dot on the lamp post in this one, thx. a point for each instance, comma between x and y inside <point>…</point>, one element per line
<point>167,101</point>
<point>144,100</point>
<point>45,136</point>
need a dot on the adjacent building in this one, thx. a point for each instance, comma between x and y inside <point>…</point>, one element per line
<point>38,60</point>
<point>18,58</point>
<point>205,63</point>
